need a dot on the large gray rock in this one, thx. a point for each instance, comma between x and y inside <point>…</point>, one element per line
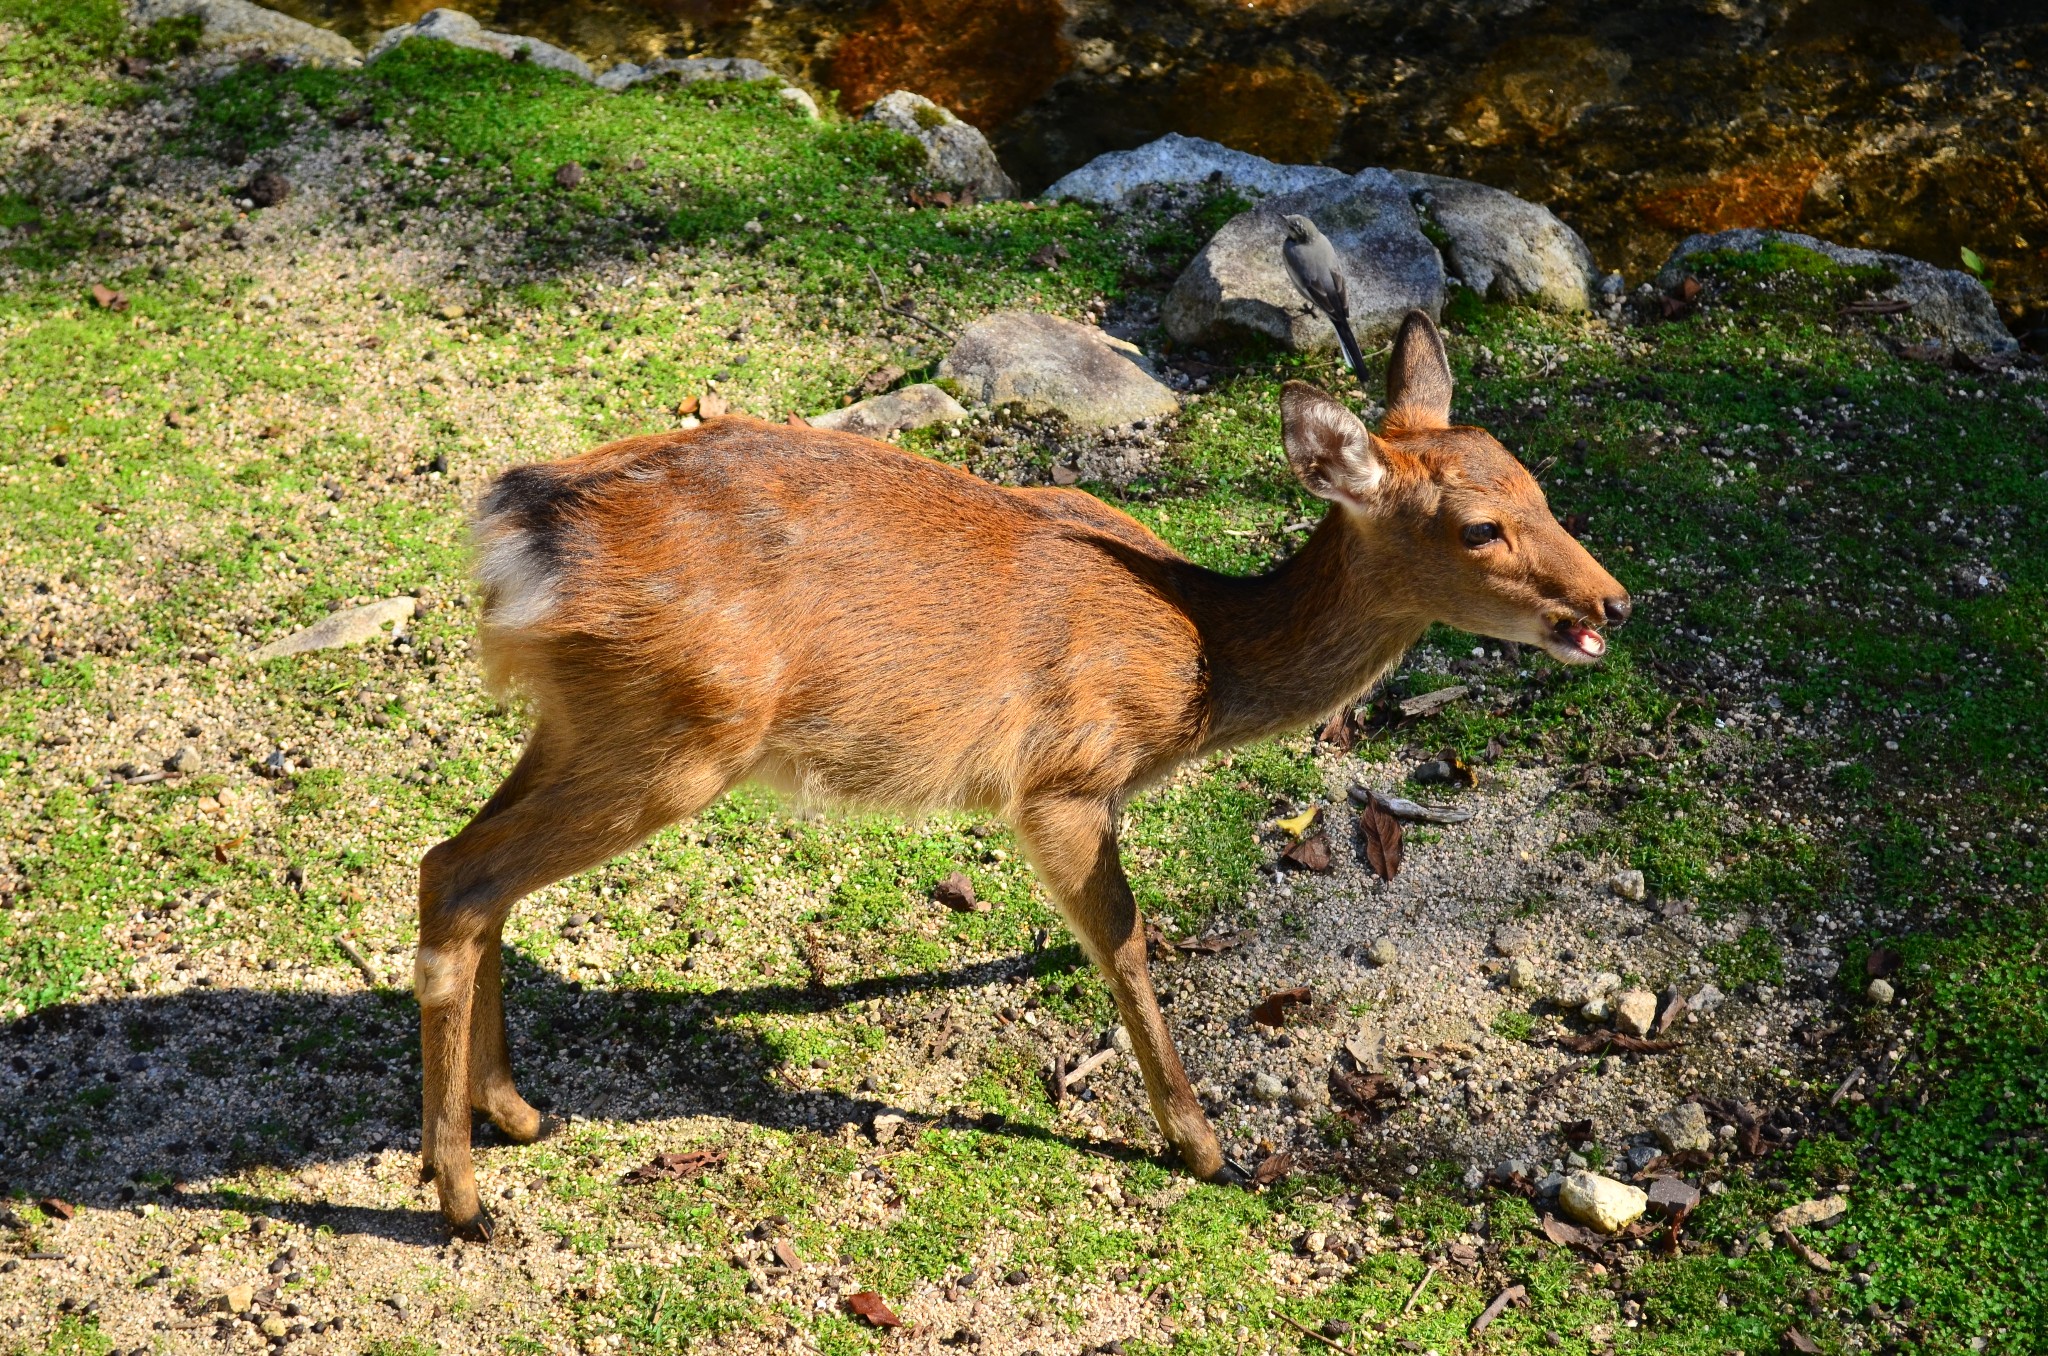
<point>452,25</point>
<point>236,23</point>
<point>911,407</point>
<point>1237,286</point>
<point>1954,304</point>
<point>1044,363</point>
<point>1504,247</point>
<point>1177,161</point>
<point>694,70</point>
<point>957,153</point>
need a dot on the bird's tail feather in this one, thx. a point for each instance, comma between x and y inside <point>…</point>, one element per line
<point>1349,343</point>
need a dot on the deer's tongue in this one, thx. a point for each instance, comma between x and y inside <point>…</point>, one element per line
<point>1587,641</point>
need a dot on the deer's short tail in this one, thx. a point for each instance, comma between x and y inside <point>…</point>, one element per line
<point>522,533</point>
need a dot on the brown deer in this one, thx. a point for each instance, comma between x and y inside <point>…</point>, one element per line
<point>847,622</point>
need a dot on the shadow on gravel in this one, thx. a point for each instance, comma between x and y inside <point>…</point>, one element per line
<point>120,1102</point>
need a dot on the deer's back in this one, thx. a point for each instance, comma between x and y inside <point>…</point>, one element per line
<point>847,620</point>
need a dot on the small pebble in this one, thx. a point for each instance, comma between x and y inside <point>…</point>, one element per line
<point>1629,885</point>
<point>1879,992</point>
<point>1383,952</point>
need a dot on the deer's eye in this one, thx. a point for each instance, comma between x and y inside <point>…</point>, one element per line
<point>1478,534</point>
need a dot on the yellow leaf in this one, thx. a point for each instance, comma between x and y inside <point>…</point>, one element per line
<point>1297,825</point>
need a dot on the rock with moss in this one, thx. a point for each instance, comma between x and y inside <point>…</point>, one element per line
<point>1175,161</point>
<point>1046,364</point>
<point>452,25</point>
<point>238,23</point>
<point>1949,301</point>
<point>1237,287</point>
<point>956,152</point>
<point>1504,247</point>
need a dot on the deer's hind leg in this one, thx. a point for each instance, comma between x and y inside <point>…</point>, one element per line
<point>568,818</point>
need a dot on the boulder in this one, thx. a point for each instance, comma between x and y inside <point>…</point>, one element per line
<point>1044,363</point>
<point>1177,161</point>
<point>693,70</point>
<point>235,23</point>
<point>1505,248</point>
<point>956,152</point>
<point>1951,302</point>
<point>1684,1129</point>
<point>882,415</point>
<point>452,25</point>
<point>1601,1202</point>
<point>1237,286</point>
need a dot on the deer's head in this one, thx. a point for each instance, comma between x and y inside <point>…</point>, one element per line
<point>1457,524</point>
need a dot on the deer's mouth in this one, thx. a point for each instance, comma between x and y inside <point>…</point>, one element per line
<point>1575,642</point>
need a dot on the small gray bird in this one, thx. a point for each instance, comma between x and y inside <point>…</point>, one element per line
<point>1312,262</point>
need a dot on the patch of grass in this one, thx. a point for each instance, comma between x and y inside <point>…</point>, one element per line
<point>1752,958</point>
<point>1513,1025</point>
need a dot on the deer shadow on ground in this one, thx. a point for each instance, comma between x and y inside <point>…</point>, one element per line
<point>122,1101</point>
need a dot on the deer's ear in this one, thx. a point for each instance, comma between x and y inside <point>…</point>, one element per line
<point>1418,377</point>
<point>1332,453</point>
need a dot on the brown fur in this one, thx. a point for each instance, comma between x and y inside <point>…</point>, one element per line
<point>854,624</point>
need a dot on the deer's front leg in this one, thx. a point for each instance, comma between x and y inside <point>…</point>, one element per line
<point>1072,842</point>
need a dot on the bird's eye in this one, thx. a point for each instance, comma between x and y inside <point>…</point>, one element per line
<point>1478,534</point>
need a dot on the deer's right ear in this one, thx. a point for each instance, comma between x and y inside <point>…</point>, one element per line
<point>1332,453</point>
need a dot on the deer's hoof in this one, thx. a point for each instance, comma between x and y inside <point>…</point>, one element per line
<point>476,1229</point>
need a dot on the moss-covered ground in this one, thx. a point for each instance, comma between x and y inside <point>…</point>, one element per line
<point>1839,585</point>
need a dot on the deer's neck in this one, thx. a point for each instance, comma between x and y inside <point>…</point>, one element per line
<point>1292,645</point>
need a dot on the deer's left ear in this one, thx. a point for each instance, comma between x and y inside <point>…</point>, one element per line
<point>1332,453</point>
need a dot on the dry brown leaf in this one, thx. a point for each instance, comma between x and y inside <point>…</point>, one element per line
<point>1365,1090</point>
<point>956,892</point>
<point>57,1207</point>
<point>1341,730</point>
<point>1273,1169</point>
<point>797,421</point>
<point>868,1305</point>
<point>786,1255</point>
<point>711,405</point>
<point>1310,854</point>
<point>1429,703</point>
<point>1570,1235</point>
<point>1800,1342</point>
<point>1461,771</point>
<point>107,299</point>
<point>1210,946</point>
<point>1674,1008</point>
<point>1272,1010</point>
<point>1382,835</point>
<point>675,1167</point>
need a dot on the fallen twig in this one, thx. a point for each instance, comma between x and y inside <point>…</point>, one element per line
<point>1493,1310</point>
<point>360,961</point>
<point>1306,1331</point>
<point>1855,1077</point>
<point>903,309</point>
<point>1088,1066</point>
<point>1420,1286</point>
<point>1806,1254</point>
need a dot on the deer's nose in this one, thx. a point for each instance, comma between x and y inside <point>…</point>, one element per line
<point>1617,609</point>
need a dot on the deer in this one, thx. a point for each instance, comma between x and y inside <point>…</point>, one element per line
<point>849,623</point>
